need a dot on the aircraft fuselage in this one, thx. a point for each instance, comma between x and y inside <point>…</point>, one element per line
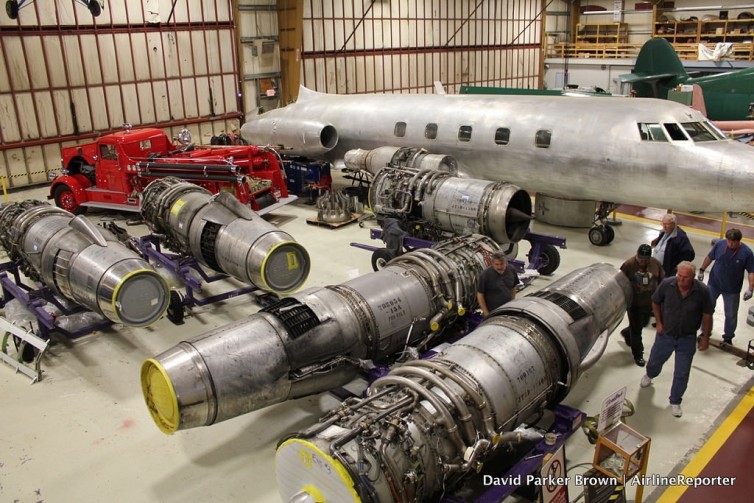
<point>595,149</point>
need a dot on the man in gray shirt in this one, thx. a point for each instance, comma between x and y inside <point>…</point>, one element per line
<point>680,305</point>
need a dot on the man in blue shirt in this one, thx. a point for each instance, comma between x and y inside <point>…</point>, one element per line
<point>733,260</point>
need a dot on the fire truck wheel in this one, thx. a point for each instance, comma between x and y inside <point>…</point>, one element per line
<point>65,199</point>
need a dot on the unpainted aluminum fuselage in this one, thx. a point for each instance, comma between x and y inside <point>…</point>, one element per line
<point>596,150</point>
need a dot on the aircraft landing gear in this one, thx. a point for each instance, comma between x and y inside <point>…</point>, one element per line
<point>602,234</point>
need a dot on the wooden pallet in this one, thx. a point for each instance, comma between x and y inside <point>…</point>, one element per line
<point>746,359</point>
<point>332,225</point>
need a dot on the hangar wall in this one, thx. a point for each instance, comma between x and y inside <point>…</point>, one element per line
<point>66,76</point>
<point>361,46</point>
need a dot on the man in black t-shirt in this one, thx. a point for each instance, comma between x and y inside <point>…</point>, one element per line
<point>496,284</point>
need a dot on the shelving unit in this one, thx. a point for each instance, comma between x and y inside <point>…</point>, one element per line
<point>732,30</point>
<point>701,30</point>
<point>677,32</point>
<point>602,33</point>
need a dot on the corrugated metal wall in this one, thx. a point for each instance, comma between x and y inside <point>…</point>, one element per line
<point>359,46</point>
<point>66,76</point>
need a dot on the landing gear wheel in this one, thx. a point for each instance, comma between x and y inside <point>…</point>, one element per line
<point>549,260</point>
<point>610,234</point>
<point>11,8</point>
<point>95,8</point>
<point>598,235</point>
<point>65,199</point>
<point>175,308</point>
<point>380,258</point>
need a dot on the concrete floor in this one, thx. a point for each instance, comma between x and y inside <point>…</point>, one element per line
<point>84,434</point>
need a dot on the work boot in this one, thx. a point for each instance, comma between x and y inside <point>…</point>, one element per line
<point>640,360</point>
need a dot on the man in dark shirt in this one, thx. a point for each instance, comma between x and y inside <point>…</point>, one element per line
<point>645,273</point>
<point>496,284</point>
<point>672,245</point>
<point>680,304</point>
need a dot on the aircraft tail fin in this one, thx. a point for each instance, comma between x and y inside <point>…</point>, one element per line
<point>658,69</point>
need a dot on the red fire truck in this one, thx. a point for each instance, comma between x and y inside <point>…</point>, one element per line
<point>112,171</point>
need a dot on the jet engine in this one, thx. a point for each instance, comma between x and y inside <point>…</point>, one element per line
<point>82,263</point>
<point>224,235</point>
<point>417,187</point>
<point>428,423</point>
<point>315,339</point>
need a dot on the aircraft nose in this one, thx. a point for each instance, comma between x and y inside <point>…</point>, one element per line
<point>736,175</point>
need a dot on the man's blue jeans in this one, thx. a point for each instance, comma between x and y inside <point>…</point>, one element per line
<point>731,302</point>
<point>664,346</point>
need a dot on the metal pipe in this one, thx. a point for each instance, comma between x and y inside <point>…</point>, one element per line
<point>163,166</point>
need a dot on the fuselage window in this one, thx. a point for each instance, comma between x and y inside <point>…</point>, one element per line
<point>464,133</point>
<point>430,131</point>
<point>502,135</point>
<point>697,132</point>
<point>651,132</point>
<point>400,129</point>
<point>542,138</point>
<point>675,131</point>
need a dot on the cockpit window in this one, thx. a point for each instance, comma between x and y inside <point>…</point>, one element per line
<point>675,131</point>
<point>698,132</point>
<point>713,130</point>
<point>652,132</point>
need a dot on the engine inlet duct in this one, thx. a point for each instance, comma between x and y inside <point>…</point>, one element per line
<point>428,423</point>
<point>315,339</point>
<point>224,235</point>
<point>82,263</point>
<point>410,184</point>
